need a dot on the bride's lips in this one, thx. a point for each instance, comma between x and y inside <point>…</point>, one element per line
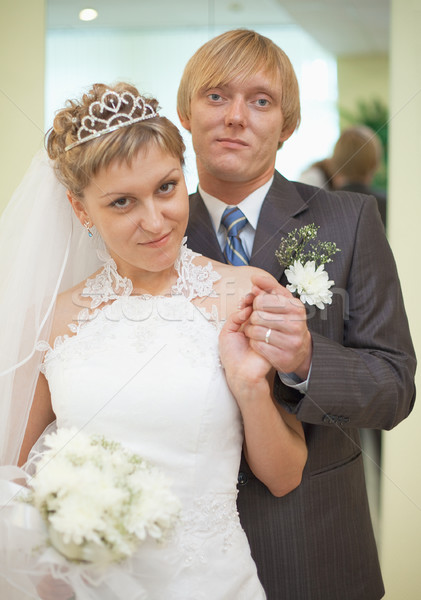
<point>157,242</point>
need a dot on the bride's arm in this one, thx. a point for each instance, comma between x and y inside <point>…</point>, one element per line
<point>40,416</point>
<point>41,413</point>
<point>274,444</point>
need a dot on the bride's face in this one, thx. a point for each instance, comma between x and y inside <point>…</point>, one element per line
<point>141,211</point>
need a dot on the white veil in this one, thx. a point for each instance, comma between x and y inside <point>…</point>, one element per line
<point>43,251</point>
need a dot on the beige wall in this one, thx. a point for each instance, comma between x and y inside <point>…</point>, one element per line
<point>401,519</point>
<point>22,41</point>
<point>362,78</point>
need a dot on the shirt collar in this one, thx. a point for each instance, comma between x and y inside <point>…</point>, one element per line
<point>250,206</point>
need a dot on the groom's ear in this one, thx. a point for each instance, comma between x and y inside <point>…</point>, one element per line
<point>184,121</point>
<point>78,207</point>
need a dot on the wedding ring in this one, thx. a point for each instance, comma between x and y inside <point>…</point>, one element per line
<point>267,336</point>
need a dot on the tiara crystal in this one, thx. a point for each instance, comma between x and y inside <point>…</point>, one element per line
<point>122,107</point>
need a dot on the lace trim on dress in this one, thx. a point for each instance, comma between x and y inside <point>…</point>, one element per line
<point>207,515</point>
<point>108,284</point>
<point>194,281</point>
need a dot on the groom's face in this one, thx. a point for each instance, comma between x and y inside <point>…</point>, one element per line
<point>236,128</point>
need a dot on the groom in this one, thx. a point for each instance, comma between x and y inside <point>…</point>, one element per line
<point>349,366</point>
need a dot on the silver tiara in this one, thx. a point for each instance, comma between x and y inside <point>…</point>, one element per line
<point>99,121</point>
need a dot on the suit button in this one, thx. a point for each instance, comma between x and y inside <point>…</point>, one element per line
<point>242,478</point>
<point>332,419</point>
<point>343,420</point>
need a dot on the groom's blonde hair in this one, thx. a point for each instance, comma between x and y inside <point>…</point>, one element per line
<point>240,53</point>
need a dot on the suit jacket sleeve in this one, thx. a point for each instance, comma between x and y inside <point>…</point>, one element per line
<point>363,359</point>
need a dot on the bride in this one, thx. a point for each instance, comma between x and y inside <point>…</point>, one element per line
<point>148,350</point>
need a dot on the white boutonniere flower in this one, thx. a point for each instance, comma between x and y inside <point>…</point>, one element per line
<point>305,264</point>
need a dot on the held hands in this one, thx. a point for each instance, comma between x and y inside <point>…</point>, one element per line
<point>268,331</point>
<point>287,346</point>
<point>274,443</point>
<point>243,365</point>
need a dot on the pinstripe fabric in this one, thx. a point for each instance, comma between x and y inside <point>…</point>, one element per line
<point>317,543</point>
<point>234,221</point>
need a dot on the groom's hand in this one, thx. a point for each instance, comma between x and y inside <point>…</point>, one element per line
<point>277,327</point>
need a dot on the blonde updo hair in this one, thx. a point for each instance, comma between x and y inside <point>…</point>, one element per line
<point>76,167</point>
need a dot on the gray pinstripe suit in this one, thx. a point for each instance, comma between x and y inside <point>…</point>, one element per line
<point>317,542</point>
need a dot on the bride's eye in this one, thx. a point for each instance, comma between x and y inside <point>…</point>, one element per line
<point>167,187</point>
<point>121,203</point>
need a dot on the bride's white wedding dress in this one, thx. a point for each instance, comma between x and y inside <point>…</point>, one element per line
<point>145,371</point>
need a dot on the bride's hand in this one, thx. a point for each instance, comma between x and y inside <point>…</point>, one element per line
<point>54,589</point>
<point>243,366</point>
<point>274,444</point>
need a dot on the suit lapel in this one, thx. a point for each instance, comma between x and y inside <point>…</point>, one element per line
<point>200,233</point>
<point>277,218</point>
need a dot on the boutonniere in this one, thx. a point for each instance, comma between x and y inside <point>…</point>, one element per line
<point>305,262</point>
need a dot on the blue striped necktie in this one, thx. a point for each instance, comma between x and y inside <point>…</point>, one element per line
<point>234,221</point>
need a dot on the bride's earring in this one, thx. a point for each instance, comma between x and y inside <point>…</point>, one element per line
<point>88,225</point>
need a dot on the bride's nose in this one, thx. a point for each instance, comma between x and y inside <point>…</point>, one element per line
<point>150,218</point>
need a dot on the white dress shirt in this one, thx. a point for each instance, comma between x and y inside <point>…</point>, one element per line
<point>250,207</point>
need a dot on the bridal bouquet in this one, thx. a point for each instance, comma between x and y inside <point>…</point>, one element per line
<point>305,264</point>
<point>98,500</point>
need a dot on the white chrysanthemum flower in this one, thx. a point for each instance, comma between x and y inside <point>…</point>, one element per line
<point>98,499</point>
<point>311,284</point>
<point>155,500</point>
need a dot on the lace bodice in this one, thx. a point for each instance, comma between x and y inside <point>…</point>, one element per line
<point>114,292</point>
<point>193,280</point>
<point>145,371</point>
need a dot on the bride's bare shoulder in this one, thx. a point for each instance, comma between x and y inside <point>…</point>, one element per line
<point>68,306</point>
<point>241,276</point>
<point>235,282</point>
